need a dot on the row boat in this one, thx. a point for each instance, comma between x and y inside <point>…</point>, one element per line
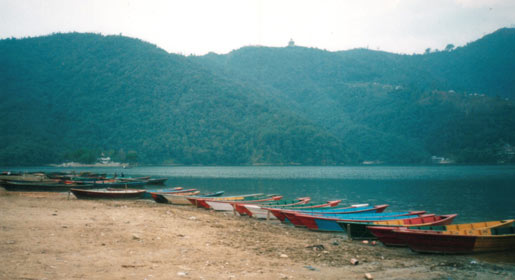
<point>360,230</point>
<point>201,201</point>
<point>224,205</point>
<point>312,205</point>
<point>118,184</point>
<point>330,222</point>
<point>108,194</point>
<point>46,186</point>
<point>156,181</point>
<point>390,238</point>
<point>148,193</point>
<point>181,198</point>
<point>165,197</point>
<point>257,210</point>
<point>354,209</point>
<point>426,241</point>
<point>278,211</point>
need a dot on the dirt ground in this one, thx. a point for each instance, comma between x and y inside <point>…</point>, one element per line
<point>53,236</point>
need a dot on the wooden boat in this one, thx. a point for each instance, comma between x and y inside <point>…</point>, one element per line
<point>119,184</point>
<point>46,186</point>
<point>329,222</point>
<point>23,177</point>
<point>225,205</point>
<point>165,197</point>
<point>201,201</point>
<point>389,238</point>
<point>108,194</point>
<point>354,209</point>
<point>312,206</point>
<point>256,210</point>
<point>181,198</point>
<point>132,179</point>
<point>167,190</point>
<point>156,181</point>
<point>466,242</point>
<point>278,211</point>
<point>360,230</point>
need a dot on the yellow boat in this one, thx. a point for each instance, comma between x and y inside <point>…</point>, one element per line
<point>470,241</point>
<point>389,237</point>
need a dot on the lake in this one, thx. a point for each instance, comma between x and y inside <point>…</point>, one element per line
<point>476,193</point>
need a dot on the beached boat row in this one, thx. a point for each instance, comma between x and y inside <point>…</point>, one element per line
<point>63,182</point>
<point>418,230</point>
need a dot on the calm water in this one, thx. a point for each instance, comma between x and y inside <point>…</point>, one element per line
<point>474,192</point>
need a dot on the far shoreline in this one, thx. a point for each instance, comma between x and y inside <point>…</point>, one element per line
<point>130,166</point>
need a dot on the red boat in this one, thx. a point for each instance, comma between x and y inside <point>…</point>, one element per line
<point>241,208</point>
<point>353,209</point>
<point>390,238</point>
<point>427,241</point>
<point>330,222</point>
<point>361,230</point>
<point>277,212</point>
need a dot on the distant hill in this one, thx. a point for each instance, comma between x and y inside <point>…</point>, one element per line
<point>483,66</point>
<point>74,96</point>
<point>67,96</point>
<point>395,108</point>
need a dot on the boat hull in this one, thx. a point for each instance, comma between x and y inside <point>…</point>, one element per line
<point>105,194</point>
<point>456,244</point>
<point>157,181</point>
<point>43,186</point>
<point>220,205</point>
<point>278,211</point>
<point>128,184</point>
<point>248,209</point>
<point>331,223</point>
<point>390,238</point>
<point>201,201</point>
<point>148,193</point>
<point>359,231</point>
<point>259,213</point>
<point>183,198</point>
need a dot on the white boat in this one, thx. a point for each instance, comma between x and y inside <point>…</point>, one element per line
<point>178,199</point>
<point>258,212</point>
<point>220,205</point>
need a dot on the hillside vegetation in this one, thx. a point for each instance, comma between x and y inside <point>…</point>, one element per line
<point>74,96</point>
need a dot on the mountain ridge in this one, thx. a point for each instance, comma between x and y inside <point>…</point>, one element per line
<point>74,96</point>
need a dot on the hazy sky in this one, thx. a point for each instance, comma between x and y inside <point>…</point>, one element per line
<point>201,26</point>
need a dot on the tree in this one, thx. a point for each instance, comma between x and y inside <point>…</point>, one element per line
<point>449,47</point>
<point>132,156</point>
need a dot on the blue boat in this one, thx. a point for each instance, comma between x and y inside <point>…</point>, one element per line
<point>329,222</point>
<point>350,210</point>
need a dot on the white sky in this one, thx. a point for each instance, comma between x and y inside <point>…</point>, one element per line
<point>201,26</point>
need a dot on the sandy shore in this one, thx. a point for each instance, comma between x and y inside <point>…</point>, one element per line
<point>51,236</point>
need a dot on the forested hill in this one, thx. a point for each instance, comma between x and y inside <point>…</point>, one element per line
<point>72,96</point>
<point>485,66</point>
<point>455,103</point>
<point>75,96</point>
